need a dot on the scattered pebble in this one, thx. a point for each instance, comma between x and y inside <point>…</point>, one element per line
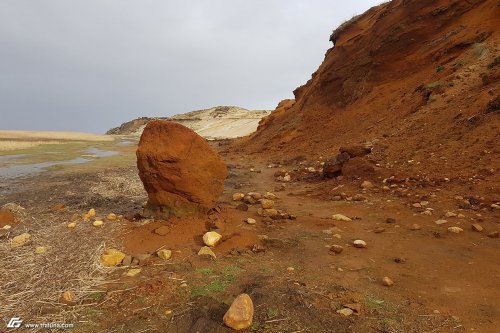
<point>111,217</point>
<point>206,251</point>
<point>477,227</point>
<point>367,184</point>
<point>267,204</point>
<point>340,217</point>
<point>112,257</point>
<point>72,225</point>
<point>22,239</point>
<point>346,312</point>
<point>390,220</point>
<point>40,249</point>
<point>494,234</point>
<point>91,212</point>
<point>450,214</point>
<point>270,195</point>
<point>359,243</point>
<point>238,196</point>
<point>133,272</point>
<point>164,254</point>
<point>290,269</point>
<point>68,298</point>
<point>98,223</point>
<point>455,230</point>
<point>250,221</point>
<point>415,227</point>
<point>211,238</point>
<point>439,222</point>
<point>386,281</point>
<point>337,249</point>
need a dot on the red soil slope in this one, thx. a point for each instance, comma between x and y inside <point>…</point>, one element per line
<point>416,78</point>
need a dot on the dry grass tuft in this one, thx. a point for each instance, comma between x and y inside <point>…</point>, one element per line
<point>32,283</point>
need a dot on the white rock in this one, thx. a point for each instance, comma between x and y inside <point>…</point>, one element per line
<point>450,214</point>
<point>211,238</point>
<point>250,221</point>
<point>345,312</point>
<point>359,243</point>
<point>455,230</point>
<point>340,217</point>
<point>438,222</point>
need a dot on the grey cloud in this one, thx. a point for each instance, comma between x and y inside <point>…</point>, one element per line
<point>90,65</point>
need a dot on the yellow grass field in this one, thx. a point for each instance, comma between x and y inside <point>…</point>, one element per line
<point>14,140</point>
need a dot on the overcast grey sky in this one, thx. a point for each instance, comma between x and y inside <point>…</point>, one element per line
<point>89,65</point>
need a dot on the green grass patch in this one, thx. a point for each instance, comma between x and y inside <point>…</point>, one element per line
<point>97,295</point>
<point>214,281</point>
<point>205,271</point>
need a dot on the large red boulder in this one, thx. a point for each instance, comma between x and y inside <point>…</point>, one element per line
<point>181,172</point>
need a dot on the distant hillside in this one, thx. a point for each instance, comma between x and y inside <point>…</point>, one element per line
<point>220,122</point>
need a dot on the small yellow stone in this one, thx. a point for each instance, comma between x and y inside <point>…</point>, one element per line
<point>91,212</point>
<point>112,257</point>
<point>211,238</point>
<point>40,249</point>
<point>68,297</point>
<point>206,251</point>
<point>98,223</point>
<point>164,254</point>
<point>133,272</point>
<point>240,314</point>
<point>20,240</point>
<point>72,225</point>
<point>111,217</point>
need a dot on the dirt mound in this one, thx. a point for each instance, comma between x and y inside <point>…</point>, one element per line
<point>417,79</point>
<point>182,174</point>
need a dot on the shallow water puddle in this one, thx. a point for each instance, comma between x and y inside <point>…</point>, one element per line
<point>13,170</point>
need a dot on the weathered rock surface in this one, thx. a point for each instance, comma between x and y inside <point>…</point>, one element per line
<point>240,314</point>
<point>182,174</point>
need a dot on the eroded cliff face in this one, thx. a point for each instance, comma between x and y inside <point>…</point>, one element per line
<point>416,78</point>
<point>220,122</point>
